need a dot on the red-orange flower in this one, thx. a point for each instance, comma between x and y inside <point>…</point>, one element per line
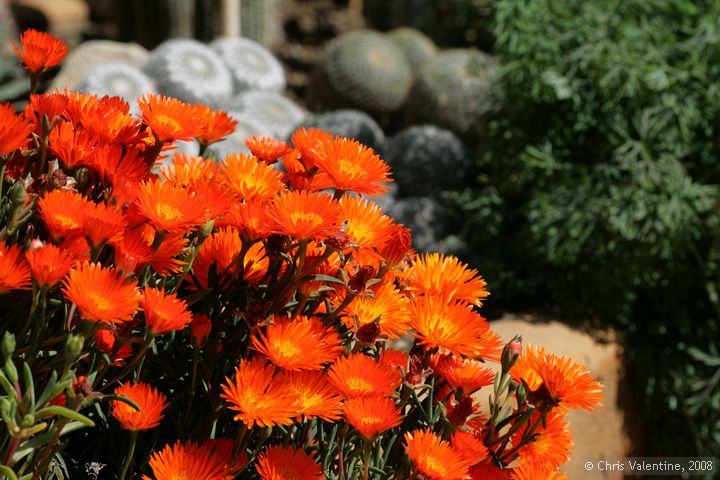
<point>169,208</point>
<point>14,270</point>
<point>106,341</point>
<point>286,463</point>
<point>169,118</point>
<point>222,249</point>
<point>467,374</point>
<point>164,312</point>
<point>470,446</point>
<point>387,306</point>
<point>102,224</point>
<point>200,329</point>
<point>433,457</point>
<point>49,264</point>
<point>190,461</point>
<point>367,227</point>
<point>63,212</point>
<point>186,170</point>
<point>305,215</point>
<point>151,403</point>
<point>40,50</point>
<point>397,245</point>
<point>251,220</point>
<point>530,470</point>
<point>215,124</point>
<point>257,397</point>
<point>267,148</point>
<point>14,130</point>
<point>101,294</point>
<point>249,178</point>
<point>299,343</point>
<point>447,277</point>
<point>360,376</point>
<point>371,416</point>
<point>305,141</point>
<point>488,471</point>
<point>553,442</point>
<point>313,395</point>
<point>72,146</point>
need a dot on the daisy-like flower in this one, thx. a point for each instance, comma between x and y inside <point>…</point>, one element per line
<point>433,457</point>
<point>469,445</point>
<point>169,119</point>
<point>313,394</point>
<point>49,264</point>
<point>387,306</point>
<point>169,208</point>
<point>299,178</point>
<point>299,343</point>
<point>151,402</point>
<point>106,341</point>
<point>251,220</point>
<point>14,270</point>
<point>358,376</point>
<point>455,327</point>
<point>468,375</point>
<point>164,312</point>
<point>286,463</point>
<point>72,146</point>
<point>101,294</point>
<point>40,50</point>
<point>249,178</point>
<point>446,276</point>
<point>222,249</point>
<point>372,416</point>
<point>131,251</point>
<point>63,212</point>
<point>367,227</point>
<point>102,224</point>
<point>189,461</point>
<point>267,148</point>
<point>531,470</point>
<point>397,246</point>
<point>14,130</point>
<point>352,166</point>
<point>553,443</point>
<point>396,360</point>
<point>258,399</point>
<point>554,381</point>
<point>215,124</point>
<point>305,215</point>
<point>305,141</point>
<point>186,170</point>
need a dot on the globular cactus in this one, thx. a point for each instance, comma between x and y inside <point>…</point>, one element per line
<point>191,71</point>
<point>273,113</point>
<point>418,47</point>
<point>426,160</point>
<point>351,124</point>
<point>117,79</point>
<point>246,127</point>
<point>362,69</point>
<point>425,217</point>
<point>253,67</point>
<point>456,90</point>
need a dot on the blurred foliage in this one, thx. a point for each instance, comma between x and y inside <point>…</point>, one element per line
<point>604,170</point>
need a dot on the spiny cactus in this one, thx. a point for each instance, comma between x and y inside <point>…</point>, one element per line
<point>427,160</point>
<point>253,67</point>
<point>273,113</point>
<point>246,127</point>
<point>351,124</point>
<point>365,70</point>
<point>425,217</point>
<point>190,71</point>
<point>119,79</point>
<point>418,47</point>
<point>259,21</point>
<point>456,90</point>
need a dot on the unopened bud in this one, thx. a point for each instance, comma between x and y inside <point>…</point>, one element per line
<point>458,414</point>
<point>73,347</point>
<point>7,345</point>
<point>206,229</point>
<point>18,194</point>
<point>358,282</point>
<point>397,245</point>
<point>510,354</point>
<point>368,333</point>
<point>338,241</point>
<point>200,329</point>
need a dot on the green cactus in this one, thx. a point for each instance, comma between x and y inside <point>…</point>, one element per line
<point>418,47</point>
<point>456,90</point>
<point>364,70</point>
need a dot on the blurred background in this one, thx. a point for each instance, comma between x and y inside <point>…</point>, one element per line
<point>568,149</point>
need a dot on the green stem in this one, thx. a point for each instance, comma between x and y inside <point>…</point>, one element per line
<point>131,453</point>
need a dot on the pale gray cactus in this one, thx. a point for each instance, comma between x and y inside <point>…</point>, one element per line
<point>235,142</point>
<point>253,67</point>
<point>273,113</point>
<point>117,79</point>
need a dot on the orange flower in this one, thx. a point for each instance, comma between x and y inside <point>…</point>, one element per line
<point>190,460</point>
<point>131,251</point>
<point>14,130</point>
<point>249,178</point>
<point>387,306</point>
<point>100,294</point>
<point>470,446</point>
<point>186,170</point>
<point>267,148</point>
<point>433,457</point>
<point>398,243</point>
<point>286,463</point>
<point>258,399</point>
<point>49,264</point>
<point>163,260</point>
<point>359,376</point>
<point>222,249</point>
<point>556,381</point>
<point>530,470</point>
<point>305,141</point>
<point>298,178</point>
<point>314,396</point>
<point>455,327</point>
<point>305,215</point>
<point>553,443</point>
<point>151,403</point>
<point>72,146</point>
<point>215,124</point>
<point>102,224</point>
<point>488,471</point>
<point>299,343</point>
<point>200,329</point>
<point>40,50</point>
<point>396,360</point>
<point>14,270</point>
<point>445,276</point>
<point>63,212</point>
<point>470,375</point>
<point>352,166</point>
<point>164,312</point>
<point>106,341</point>
<point>169,208</point>
<point>251,220</point>
<point>168,118</point>
<point>366,226</point>
<point>371,416</point>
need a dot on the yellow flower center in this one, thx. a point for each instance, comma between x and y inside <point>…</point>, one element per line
<point>306,217</point>
<point>98,301</point>
<point>371,420</point>
<point>307,400</point>
<point>349,169</point>
<point>286,348</point>
<point>433,467</point>
<point>67,222</point>
<point>168,212</point>
<point>163,122</point>
<point>360,385</point>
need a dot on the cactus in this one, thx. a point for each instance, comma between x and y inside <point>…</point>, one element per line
<point>365,70</point>
<point>259,21</point>
<point>456,90</point>
<point>427,160</point>
<point>425,217</point>
<point>119,79</point>
<point>246,127</point>
<point>253,67</point>
<point>352,124</point>
<point>418,47</point>
<point>274,114</point>
<point>190,71</point>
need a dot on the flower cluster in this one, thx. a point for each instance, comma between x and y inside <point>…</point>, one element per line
<point>259,312</point>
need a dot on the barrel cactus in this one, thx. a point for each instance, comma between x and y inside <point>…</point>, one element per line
<point>253,67</point>
<point>352,124</point>
<point>117,79</point>
<point>365,70</point>
<point>456,90</point>
<point>191,71</point>
<point>418,47</point>
<point>275,114</point>
<point>427,160</point>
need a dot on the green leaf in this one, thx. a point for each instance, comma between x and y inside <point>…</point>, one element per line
<point>64,412</point>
